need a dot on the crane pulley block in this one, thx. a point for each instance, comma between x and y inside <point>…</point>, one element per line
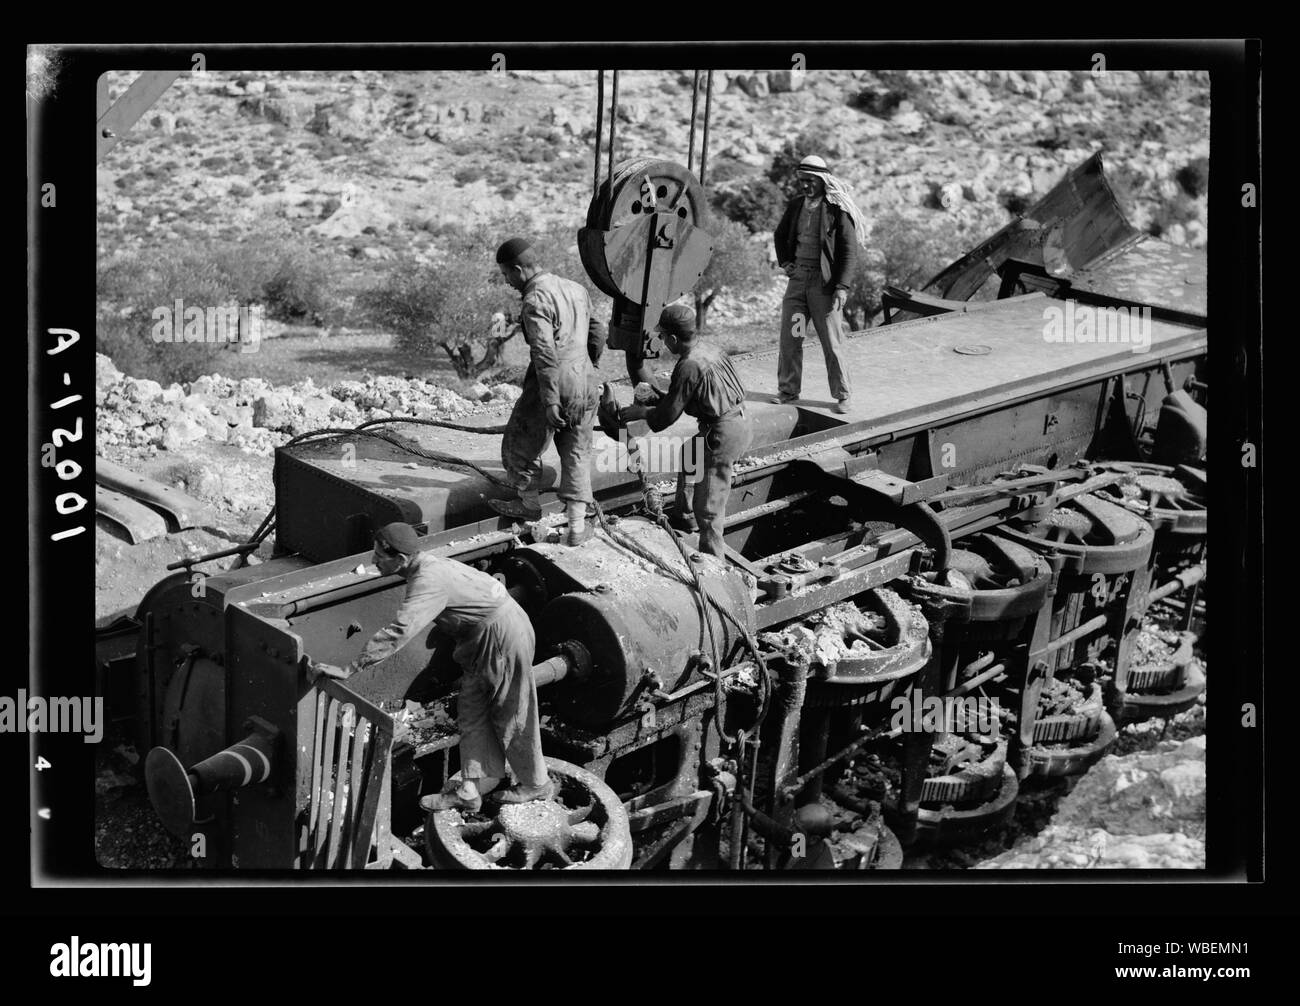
<point>646,244</point>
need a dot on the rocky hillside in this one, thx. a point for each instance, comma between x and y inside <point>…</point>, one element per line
<point>369,165</point>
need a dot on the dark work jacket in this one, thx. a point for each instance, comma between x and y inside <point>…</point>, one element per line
<point>839,228</point>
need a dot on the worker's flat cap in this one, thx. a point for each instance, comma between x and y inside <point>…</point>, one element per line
<point>678,320</point>
<point>511,250</point>
<point>399,537</point>
<point>813,165</point>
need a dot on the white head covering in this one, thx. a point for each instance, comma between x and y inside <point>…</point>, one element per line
<point>837,193</point>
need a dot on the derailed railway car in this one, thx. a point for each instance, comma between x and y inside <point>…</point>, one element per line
<point>952,577</point>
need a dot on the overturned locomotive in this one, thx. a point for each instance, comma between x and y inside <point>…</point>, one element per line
<point>991,521</point>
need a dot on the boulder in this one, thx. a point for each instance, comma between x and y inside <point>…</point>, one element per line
<point>784,81</point>
<point>272,411</point>
<point>755,85</point>
<point>180,432</point>
<point>235,415</point>
<point>106,372</point>
<point>141,389</point>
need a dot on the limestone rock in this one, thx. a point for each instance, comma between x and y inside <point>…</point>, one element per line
<point>180,432</point>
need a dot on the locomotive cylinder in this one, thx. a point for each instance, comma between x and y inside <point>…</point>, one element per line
<point>643,629</point>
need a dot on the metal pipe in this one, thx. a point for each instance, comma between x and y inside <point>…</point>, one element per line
<point>550,671</point>
<point>613,126</point>
<point>695,104</point>
<point>248,546</point>
<point>966,687</point>
<point>1078,632</point>
<point>976,665</point>
<point>753,780</point>
<point>152,689</point>
<point>600,126</point>
<point>704,142</point>
<point>794,786</point>
<point>1182,581</point>
<point>737,823</point>
<point>766,509</point>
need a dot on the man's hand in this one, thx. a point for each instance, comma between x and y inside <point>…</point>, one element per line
<point>317,670</point>
<point>841,296</point>
<point>555,419</point>
<point>788,268</point>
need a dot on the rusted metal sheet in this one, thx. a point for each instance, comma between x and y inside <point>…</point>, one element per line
<point>1149,272</point>
<point>180,510</point>
<point>135,519</point>
<point>1078,221</point>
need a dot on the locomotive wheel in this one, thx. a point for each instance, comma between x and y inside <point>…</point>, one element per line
<point>1043,761</point>
<point>1130,707</point>
<point>1094,534</point>
<point>1167,497</point>
<point>875,676</point>
<point>583,827</point>
<point>1081,723</point>
<point>1000,579</point>
<point>1167,673</point>
<point>950,826</point>
<point>979,781</point>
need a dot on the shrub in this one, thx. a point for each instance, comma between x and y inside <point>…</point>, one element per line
<point>124,325</point>
<point>1194,177</point>
<point>737,263</point>
<point>786,160</point>
<point>757,203</point>
<point>449,305</point>
<point>288,282</point>
<point>903,253</point>
<point>726,169</point>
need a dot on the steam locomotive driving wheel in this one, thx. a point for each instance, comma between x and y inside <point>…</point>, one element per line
<point>584,826</point>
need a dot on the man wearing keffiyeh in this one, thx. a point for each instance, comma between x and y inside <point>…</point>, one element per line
<point>817,245</point>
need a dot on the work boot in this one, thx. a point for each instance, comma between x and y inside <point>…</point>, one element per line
<point>785,399</point>
<point>842,406</point>
<point>528,506</point>
<point>464,797</point>
<point>527,794</point>
<point>579,530</point>
<point>684,520</point>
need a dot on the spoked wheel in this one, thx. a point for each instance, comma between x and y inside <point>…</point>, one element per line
<point>1094,534</point>
<point>584,826</point>
<point>1072,731</point>
<point>1169,498</point>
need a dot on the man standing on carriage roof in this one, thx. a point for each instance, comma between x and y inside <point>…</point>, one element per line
<point>817,245</point>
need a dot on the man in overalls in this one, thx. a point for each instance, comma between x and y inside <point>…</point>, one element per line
<point>704,385</point>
